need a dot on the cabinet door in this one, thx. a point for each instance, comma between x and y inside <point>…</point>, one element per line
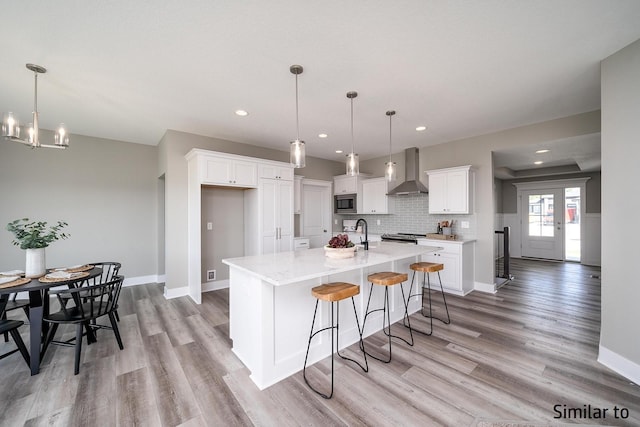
<point>217,171</point>
<point>285,215</point>
<point>345,185</point>
<point>297,195</point>
<point>438,193</point>
<point>269,219</point>
<point>276,172</point>
<point>374,196</point>
<point>457,192</point>
<point>450,275</point>
<point>245,174</point>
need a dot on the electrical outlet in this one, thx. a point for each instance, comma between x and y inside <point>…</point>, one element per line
<point>335,222</point>
<point>209,226</point>
<point>464,224</point>
<point>378,222</point>
<point>211,275</point>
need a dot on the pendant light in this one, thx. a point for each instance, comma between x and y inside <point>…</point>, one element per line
<point>11,125</point>
<point>353,163</point>
<point>390,166</point>
<point>297,152</point>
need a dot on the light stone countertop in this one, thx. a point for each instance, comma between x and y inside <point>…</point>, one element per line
<point>427,241</point>
<point>290,267</point>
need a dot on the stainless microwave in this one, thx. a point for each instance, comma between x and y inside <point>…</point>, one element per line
<point>345,203</point>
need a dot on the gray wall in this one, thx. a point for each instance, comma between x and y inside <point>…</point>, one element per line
<point>620,154</point>
<point>593,189</point>
<point>106,190</point>
<point>224,209</point>
<point>171,162</point>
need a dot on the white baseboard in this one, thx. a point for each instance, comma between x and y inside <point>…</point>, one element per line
<point>484,287</point>
<point>142,280</point>
<point>619,364</point>
<point>214,286</point>
<point>206,287</point>
<point>170,293</point>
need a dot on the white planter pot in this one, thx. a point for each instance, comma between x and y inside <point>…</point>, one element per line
<point>339,253</point>
<point>36,266</point>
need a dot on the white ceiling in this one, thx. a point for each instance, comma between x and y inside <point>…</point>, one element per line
<point>130,70</point>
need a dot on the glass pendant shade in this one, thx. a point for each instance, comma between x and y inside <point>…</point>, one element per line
<point>297,154</point>
<point>10,126</point>
<point>390,171</point>
<point>61,138</point>
<point>353,164</point>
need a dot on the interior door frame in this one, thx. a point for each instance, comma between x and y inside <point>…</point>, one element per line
<point>541,186</point>
<point>327,187</point>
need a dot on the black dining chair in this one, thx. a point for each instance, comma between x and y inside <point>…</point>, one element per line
<point>14,304</point>
<point>11,327</point>
<point>110,269</point>
<point>86,303</point>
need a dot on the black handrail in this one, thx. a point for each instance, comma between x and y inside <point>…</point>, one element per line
<point>506,231</point>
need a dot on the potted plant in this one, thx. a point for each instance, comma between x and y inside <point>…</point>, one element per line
<point>34,236</point>
<point>340,247</point>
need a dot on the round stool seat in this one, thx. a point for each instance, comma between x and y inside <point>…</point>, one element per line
<point>336,291</point>
<point>387,278</point>
<point>427,267</point>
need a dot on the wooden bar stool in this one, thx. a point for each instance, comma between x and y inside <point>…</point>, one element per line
<point>426,268</point>
<point>334,293</point>
<point>386,279</point>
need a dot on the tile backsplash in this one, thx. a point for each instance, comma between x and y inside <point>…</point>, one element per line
<point>412,216</point>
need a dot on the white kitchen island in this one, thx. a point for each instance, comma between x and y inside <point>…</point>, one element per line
<point>271,307</point>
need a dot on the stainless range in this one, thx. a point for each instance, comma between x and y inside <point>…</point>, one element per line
<point>402,238</point>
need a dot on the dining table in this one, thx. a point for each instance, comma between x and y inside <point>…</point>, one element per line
<point>38,290</point>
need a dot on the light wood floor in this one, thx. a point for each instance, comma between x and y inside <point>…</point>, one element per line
<point>509,356</point>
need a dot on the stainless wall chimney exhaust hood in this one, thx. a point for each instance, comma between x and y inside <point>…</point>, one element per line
<point>411,184</point>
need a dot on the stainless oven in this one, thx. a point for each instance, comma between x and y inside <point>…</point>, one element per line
<point>345,203</point>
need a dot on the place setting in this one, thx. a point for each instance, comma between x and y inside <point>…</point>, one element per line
<point>66,273</point>
<point>9,279</point>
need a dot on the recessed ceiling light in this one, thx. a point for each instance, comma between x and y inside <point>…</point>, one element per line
<point>339,151</point>
<point>322,135</point>
<point>539,162</point>
<point>421,128</point>
<point>542,151</point>
<point>241,113</point>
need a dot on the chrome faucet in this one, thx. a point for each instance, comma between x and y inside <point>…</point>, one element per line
<point>366,233</point>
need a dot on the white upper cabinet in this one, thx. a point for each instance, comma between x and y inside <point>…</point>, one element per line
<point>374,197</point>
<point>451,190</point>
<point>276,172</point>
<point>347,184</point>
<point>229,172</point>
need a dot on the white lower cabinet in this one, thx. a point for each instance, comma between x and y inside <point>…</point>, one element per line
<point>457,258</point>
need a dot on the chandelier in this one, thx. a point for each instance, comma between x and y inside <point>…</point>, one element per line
<point>11,125</point>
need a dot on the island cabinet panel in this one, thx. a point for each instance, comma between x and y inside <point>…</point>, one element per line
<point>271,306</point>
<point>451,190</point>
<point>457,259</point>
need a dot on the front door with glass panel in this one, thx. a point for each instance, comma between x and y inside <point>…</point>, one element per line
<point>542,224</point>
